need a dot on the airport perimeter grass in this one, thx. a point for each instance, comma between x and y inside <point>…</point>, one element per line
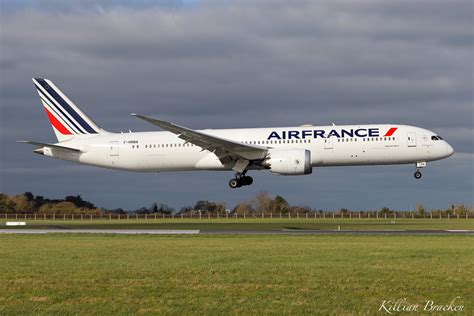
<point>245,275</point>
<point>254,224</point>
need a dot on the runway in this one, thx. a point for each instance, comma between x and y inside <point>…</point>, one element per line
<point>235,232</point>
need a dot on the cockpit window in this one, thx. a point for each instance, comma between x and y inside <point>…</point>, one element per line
<point>439,137</point>
<point>434,137</point>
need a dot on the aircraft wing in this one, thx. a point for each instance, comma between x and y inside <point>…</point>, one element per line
<point>50,145</point>
<point>225,149</point>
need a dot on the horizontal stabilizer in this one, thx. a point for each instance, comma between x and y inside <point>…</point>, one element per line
<point>50,145</point>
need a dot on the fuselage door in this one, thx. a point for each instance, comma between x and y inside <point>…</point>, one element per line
<point>328,143</point>
<point>114,148</point>
<point>411,139</point>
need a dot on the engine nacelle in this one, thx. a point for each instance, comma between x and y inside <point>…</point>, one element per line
<point>289,162</point>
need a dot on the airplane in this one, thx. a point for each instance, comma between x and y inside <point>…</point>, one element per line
<point>281,150</point>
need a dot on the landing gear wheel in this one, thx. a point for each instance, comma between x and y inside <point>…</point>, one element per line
<point>417,175</point>
<point>235,183</point>
<point>246,180</point>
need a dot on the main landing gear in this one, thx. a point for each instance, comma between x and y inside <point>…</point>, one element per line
<point>240,180</point>
<point>418,166</point>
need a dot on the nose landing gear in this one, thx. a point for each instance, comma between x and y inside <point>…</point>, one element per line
<point>418,166</point>
<point>240,180</point>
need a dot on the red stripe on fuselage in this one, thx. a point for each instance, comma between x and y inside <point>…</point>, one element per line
<point>391,131</point>
<point>57,124</point>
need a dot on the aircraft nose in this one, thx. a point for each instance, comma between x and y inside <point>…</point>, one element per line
<point>449,150</point>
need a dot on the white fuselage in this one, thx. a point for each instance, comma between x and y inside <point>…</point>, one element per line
<point>348,145</point>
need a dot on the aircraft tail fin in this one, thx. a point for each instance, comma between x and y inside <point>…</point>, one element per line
<point>67,119</point>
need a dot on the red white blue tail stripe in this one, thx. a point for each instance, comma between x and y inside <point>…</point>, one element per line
<point>64,115</point>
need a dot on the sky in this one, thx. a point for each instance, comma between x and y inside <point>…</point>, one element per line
<point>230,64</point>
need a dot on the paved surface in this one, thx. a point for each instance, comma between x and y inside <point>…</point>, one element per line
<point>338,232</point>
<point>101,231</point>
<point>236,232</point>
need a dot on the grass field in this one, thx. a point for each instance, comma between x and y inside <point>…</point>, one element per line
<point>265,274</point>
<point>256,224</point>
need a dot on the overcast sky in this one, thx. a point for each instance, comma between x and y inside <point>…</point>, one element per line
<point>222,64</point>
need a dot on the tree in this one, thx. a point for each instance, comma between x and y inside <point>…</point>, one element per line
<point>344,211</point>
<point>421,210</point>
<point>244,207</point>
<point>116,211</point>
<point>29,196</point>
<point>163,208</point>
<point>210,207</point>
<point>300,209</point>
<point>79,202</point>
<point>280,205</point>
<point>22,204</point>
<point>154,208</point>
<point>264,202</point>
<point>59,208</point>
<point>6,205</point>
<point>385,210</point>
<point>185,209</point>
<point>40,200</point>
<point>142,210</point>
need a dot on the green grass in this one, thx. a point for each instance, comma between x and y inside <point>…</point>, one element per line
<point>265,274</point>
<point>256,224</point>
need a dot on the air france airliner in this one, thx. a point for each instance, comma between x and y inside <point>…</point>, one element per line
<point>281,150</point>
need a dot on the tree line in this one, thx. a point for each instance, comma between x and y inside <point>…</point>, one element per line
<point>31,204</point>
<point>27,203</point>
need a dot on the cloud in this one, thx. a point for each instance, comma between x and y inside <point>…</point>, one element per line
<point>238,64</point>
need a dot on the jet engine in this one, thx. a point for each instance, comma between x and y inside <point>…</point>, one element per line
<point>288,162</point>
